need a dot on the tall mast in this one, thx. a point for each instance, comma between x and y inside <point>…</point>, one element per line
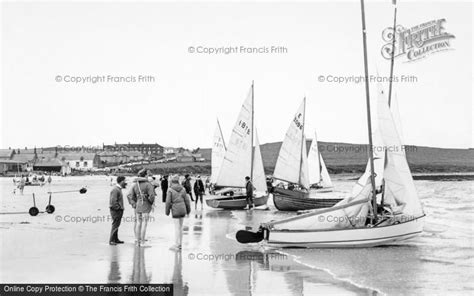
<point>369,123</point>
<point>302,140</point>
<point>392,59</point>
<point>251,135</point>
<point>392,62</point>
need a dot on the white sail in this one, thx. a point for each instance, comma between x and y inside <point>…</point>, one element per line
<point>288,165</point>
<point>399,186</point>
<point>314,165</point>
<point>396,117</point>
<point>325,179</point>
<point>218,153</point>
<point>378,149</point>
<point>258,176</point>
<point>236,164</point>
<point>304,173</point>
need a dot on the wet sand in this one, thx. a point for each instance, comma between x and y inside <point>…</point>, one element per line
<point>53,248</point>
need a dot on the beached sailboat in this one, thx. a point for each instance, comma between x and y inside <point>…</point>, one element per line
<point>318,173</point>
<point>292,166</point>
<point>241,159</point>
<point>361,220</point>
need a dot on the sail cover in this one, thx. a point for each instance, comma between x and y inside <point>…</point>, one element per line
<point>218,152</point>
<point>236,164</point>
<point>399,186</point>
<point>259,180</point>
<point>289,162</point>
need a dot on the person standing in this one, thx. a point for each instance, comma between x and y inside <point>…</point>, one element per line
<point>164,187</point>
<point>199,191</point>
<point>22,184</point>
<point>141,197</point>
<point>116,209</point>
<point>249,192</point>
<point>178,204</point>
<point>187,186</point>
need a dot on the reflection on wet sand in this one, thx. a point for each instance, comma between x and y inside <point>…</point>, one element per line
<point>179,286</point>
<point>114,272</point>
<point>139,273</point>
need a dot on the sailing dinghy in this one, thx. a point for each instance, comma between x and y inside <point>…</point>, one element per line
<point>365,219</point>
<point>292,167</point>
<point>240,159</point>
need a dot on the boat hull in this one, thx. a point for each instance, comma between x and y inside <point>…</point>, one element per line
<point>289,200</point>
<point>345,238</point>
<point>235,202</point>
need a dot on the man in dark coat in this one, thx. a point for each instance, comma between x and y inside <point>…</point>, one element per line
<point>199,191</point>
<point>116,209</point>
<point>187,186</point>
<point>164,187</point>
<point>249,192</point>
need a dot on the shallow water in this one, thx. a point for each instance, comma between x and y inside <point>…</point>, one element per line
<point>46,249</point>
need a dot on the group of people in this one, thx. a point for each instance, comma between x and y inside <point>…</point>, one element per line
<point>19,182</point>
<point>177,198</point>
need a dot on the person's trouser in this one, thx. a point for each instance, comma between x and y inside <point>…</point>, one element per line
<point>198,196</point>
<point>178,230</point>
<point>116,219</point>
<point>190,195</point>
<point>164,195</point>
<point>250,201</point>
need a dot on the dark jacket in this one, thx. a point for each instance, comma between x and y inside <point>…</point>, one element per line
<point>116,199</point>
<point>187,186</point>
<point>177,202</point>
<point>199,187</point>
<point>249,189</point>
<point>142,195</point>
<point>164,185</point>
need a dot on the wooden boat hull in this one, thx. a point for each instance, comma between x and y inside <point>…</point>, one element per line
<point>289,200</point>
<point>234,202</point>
<point>344,238</point>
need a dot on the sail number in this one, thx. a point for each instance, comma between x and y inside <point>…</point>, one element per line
<point>243,125</point>
<point>298,122</point>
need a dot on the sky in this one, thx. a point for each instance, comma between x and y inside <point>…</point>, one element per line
<point>184,92</point>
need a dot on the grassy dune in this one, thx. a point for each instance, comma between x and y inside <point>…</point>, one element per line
<point>352,158</point>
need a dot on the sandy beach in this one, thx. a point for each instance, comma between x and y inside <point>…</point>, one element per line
<point>71,246</point>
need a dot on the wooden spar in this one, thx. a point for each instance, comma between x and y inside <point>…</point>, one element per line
<point>303,142</point>
<point>369,123</point>
<point>392,59</point>
<point>317,212</point>
<point>251,135</point>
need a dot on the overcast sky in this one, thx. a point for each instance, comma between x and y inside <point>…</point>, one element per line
<point>43,40</point>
